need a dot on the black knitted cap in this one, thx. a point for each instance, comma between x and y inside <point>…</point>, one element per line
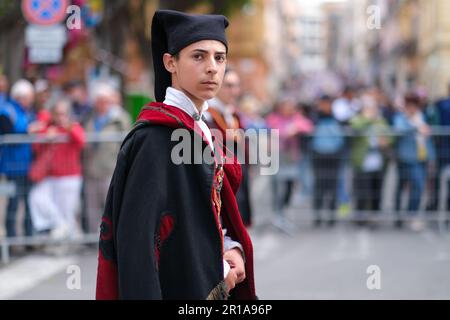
<point>173,31</point>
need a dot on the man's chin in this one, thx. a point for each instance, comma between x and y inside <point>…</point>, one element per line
<point>209,95</point>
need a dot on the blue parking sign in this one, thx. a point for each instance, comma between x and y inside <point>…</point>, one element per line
<point>44,12</point>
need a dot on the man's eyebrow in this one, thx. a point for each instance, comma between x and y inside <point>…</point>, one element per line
<point>206,51</point>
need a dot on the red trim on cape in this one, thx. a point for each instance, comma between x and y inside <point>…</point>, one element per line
<point>160,113</point>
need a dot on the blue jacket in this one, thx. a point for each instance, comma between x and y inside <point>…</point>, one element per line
<point>3,99</point>
<point>15,159</point>
<point>407,143</point>
<point>443,110</point>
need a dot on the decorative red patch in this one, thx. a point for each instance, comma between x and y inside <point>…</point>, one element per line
<point>106,229</point>
<point>107,285</point>
<point>166,226</point>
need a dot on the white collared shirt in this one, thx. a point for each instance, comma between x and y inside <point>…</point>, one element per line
<point>180,100</point>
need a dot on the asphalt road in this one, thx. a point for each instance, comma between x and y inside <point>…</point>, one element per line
<point>343,262</point>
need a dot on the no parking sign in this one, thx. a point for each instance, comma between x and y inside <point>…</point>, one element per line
<point>44,12</point>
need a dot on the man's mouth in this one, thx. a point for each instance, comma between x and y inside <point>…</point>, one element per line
<point>212,83</point>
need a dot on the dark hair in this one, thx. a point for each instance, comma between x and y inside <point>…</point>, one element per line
<point>229,69</point>
<point>73,84</point>
<point>325,97</point>
<point>348,89</point>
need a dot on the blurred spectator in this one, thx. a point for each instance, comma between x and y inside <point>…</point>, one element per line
<point>428,108</point>
<point>344,109</point>
<point>56,171</point>
<point>3,89</point>
<point>250,113</point>
<point>431,115</point>
<point>327,146</point>
<point>414,149</point>
<point>15,159</point>
<point>43,115</point>
<point>306,177</point>
<point>369,157</point>
<point>386,107</point>
<point>77,93</point>
<point>224,114</point>
<point>443,145</point>
<point>100,157</point>
<point>42,89</point>
<point>252,119</point>
<point>291,124</point>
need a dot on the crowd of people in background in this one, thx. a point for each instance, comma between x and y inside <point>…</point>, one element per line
<point>359,134</point>
<point>63,183</point>
<point>60,176</point>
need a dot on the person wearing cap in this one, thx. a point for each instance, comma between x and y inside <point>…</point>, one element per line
<point>15,159</point>
<point>223,114</point>
<point>442,107</point>
<point>172,230</point>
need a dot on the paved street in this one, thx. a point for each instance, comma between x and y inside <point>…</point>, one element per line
<point>325,263</point>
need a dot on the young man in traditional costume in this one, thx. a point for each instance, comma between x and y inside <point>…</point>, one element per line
<point>173,230</point>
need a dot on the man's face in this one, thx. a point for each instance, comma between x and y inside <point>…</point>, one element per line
<point>199,69</point>
<point>78,94</point>
<point>60,115</point>
<point>348,94</point>
<point>102,104</point>
<point>231,88</point>
<point>287,108</point>
<point>42,97</point>
<point>411,108</point>
<point>324,106</point>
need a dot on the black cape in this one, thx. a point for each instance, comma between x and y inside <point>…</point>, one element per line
<point>160,235</point>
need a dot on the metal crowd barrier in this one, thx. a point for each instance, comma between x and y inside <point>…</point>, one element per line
<point>441,215</point>
<point>8,189</point>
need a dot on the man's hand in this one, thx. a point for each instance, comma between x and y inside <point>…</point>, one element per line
<point>236,262</point>
<point>230,280</point>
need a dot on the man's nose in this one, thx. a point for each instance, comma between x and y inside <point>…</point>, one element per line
<point>211,66</point>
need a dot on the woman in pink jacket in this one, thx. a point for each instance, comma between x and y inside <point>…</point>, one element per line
<point>291,125</point>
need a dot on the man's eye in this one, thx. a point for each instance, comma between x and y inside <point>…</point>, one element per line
<point>197,57</point>
<point>220,58</point>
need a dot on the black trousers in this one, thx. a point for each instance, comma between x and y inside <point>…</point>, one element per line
<point>325,170</point>
<point>367,188</point>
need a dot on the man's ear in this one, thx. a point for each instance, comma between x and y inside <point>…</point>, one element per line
<point>169,62</point>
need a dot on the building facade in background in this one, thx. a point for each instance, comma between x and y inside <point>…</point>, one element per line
<point>411,47</point>
<point>274,44</point>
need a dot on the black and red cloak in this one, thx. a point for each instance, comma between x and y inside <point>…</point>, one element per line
<point>161,237</point>
<point>217,121</point>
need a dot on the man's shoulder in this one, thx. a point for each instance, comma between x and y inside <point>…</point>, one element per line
<point>148,130</point>
<point>147,135</point>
